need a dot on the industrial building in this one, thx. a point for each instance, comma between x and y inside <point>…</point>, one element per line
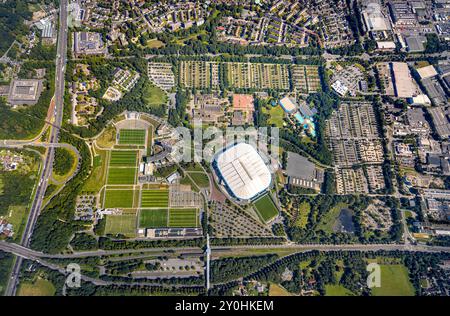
<point>405,86</point>
<point>242,171</point>
<point>25,91</point>
<point>88,43</point>
<point>303,173</point>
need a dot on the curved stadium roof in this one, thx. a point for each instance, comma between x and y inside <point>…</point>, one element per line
<point>243,170</point>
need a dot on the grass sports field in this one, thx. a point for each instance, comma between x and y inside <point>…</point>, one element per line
<point>183,217</point>
<point>153,218</point>
<point>155,198</point>
<point>119,198</point>
<point>132,137</point>
<point>121,224</point>
<point>266,208</point>
<point>39,287</point>
<point>394,281</point>
<point>121,175</point>
<point>123,158</point>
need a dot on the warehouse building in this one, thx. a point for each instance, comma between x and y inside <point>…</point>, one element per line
<point>25,91</point>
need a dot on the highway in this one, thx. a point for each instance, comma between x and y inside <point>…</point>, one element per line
<point>61,59</point>
<point>26,252</point>
<point>41,258</point>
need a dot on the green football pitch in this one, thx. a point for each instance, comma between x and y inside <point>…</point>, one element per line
<point>183,217</point>
<point>119,198</point>
<point>153,218</point>
<point>121,175</point>
<point>123,158</point>
<point>266,208</point>
<point>155,198</point>
<point>121,224</point>
<point>132,137</point>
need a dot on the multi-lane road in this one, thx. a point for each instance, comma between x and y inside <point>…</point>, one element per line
<point>61,59</point>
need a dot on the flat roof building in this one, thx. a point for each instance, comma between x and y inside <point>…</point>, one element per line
<point>404,84</point>
<point>289,105</point>
<point>243,171</point>
<point>25,91</point>
<point>427,72</point>
<point>88,43</point>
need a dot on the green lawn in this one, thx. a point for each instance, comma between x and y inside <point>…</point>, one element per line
<point>394,281</point>
<point>119,198</point>
<point>98,175</point>
<point>153,218</point>
<point>15,216</point>
<point>154,96</point>
<point>337,290</point>
<point>121,175</point>
<point>328,220</point>
<point>186,217</point>
<point>132,137</point>
<point>303,213</point>
<point>123,158</point>
<point>155,198</point>
<point>201,179</point>
<point>276,115</point>
<point>154,43</point>
<point>39,287</point>
<point>266,208</point>
<point>121,224</point>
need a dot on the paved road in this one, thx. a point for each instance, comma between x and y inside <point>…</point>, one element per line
<point>41,258</point>
<point>61,60</point>
<point>27,252</point>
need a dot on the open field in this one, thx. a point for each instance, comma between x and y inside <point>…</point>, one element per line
<point>107,138</point>
<point>154,96</point>
<point>328,220</point>
<point>278,290</point>
<point>337,290</point>
<point>123,158</point>
<point>121,175</point>
<point>153,218</point>
<point>154,43</point>
<point>276,114</point>
<point>132,137</point>
<point>394,281</point>
<point>15,216</point>
<point>121,224</point>
<point>119,198</point>
<point>98,175</point>
<point>201,179</point>
<point>155,198</point>
<point>187,217</point>
<point>40,287</point>
<point>266,208</point>
<point>303,213</point>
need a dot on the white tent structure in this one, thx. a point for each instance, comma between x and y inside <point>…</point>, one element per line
<point>243,170</point>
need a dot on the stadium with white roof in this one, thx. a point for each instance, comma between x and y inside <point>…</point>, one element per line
<point>243,171</point>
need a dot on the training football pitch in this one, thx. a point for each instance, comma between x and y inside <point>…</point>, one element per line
<point>183,217</point>
<point>123,158</point>
<point>121,175</point>
<point>266,208</point>
<point>155,198</point>
<point>121,224</point>
<point>132,137</point>
<point>153,218</point>
<point>119,198</point>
